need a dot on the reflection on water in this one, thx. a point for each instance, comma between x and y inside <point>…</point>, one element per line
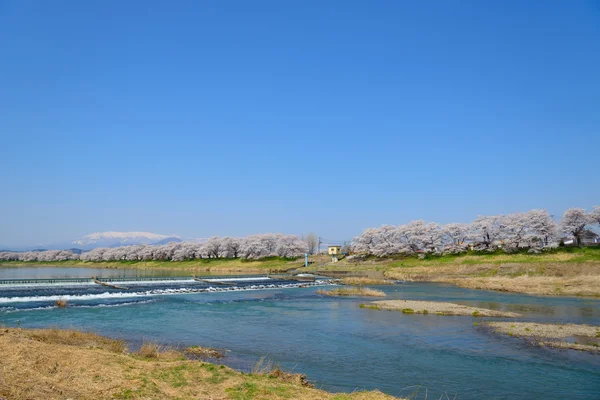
<point>343,347</point>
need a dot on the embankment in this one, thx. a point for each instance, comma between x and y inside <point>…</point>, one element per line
<point>217,265</point>
<point>57,364</point>
<point>557,279</point>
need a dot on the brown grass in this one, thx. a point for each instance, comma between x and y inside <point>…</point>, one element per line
<point>54,364</point>
<point>75,338</point>
<point>354,291</point>
<point>264,366</point>
<point>360,281</point>
<point>153,350</point>
<point>541,279</point>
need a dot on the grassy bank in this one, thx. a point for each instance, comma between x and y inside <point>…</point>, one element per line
<point>568,255</point>
<point>562,336</point>
<point>563,272</point>
<point>56,364</point>
<point>558,279</point>
<point>221,265</point>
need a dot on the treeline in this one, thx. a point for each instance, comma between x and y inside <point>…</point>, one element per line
<point>535,230</point>
<point>251,247</point>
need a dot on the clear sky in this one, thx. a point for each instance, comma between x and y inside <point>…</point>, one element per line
<point>204,118</point>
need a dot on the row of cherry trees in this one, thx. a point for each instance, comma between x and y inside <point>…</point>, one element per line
<point>535,229</point>
<point>250,247</point>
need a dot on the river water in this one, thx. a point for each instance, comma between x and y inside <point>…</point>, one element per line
<point>340,346</point>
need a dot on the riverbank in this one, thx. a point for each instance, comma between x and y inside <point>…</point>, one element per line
<point>562,336</point>
<point>563,272</point>
<point>555,279</point>
<point>188,267</point>
<point>57,364</point>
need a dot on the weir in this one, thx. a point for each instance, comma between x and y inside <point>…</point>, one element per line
<point>109,280</point>
<point>145,279</point>
<point>214,282</point>
<point>96,281</point>
<point>46,281</point>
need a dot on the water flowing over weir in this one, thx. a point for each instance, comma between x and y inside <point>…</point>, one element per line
<point>20,294</point>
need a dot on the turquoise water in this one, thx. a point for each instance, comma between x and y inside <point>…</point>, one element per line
<point>340,346</point>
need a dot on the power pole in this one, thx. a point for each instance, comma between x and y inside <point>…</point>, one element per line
<point>319,246</point>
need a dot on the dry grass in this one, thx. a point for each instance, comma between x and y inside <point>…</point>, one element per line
<point>53,364</point>
<point>438,308</point>
<point>264,366</point>
<point>539,285</point>
<point>68,337</point>
<point>355,291</point>
<point>541,279</point>
<point>153,350</point>
<point>360,281</point>
<point>553,335</point>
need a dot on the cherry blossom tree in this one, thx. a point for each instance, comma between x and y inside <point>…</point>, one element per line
<point>456,233</point>
<point>573,223</point>
<point>595,215</point>
<point>486,230</point>
<point>290,246</point>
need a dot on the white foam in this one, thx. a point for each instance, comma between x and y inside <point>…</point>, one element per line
<point>250,279</point>
<point>154,292</point>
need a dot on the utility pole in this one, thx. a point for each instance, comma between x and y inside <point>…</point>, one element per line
<point>319,246</point>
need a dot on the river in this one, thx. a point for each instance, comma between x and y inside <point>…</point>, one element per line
<point>340,346</point>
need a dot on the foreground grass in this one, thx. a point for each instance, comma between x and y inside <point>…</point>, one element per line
<point>60,364</point>
<point>582,337</point>
<point>221,265</point>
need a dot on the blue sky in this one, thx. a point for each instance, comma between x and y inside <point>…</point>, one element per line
<point>205,118</point>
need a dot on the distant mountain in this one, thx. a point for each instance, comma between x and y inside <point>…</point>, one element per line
<point>116,239</point>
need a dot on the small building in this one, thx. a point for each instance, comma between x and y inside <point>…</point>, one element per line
<point>589,238</point>
<point>334,250</point>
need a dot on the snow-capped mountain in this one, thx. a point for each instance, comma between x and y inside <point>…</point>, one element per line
<point>115,239</point>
